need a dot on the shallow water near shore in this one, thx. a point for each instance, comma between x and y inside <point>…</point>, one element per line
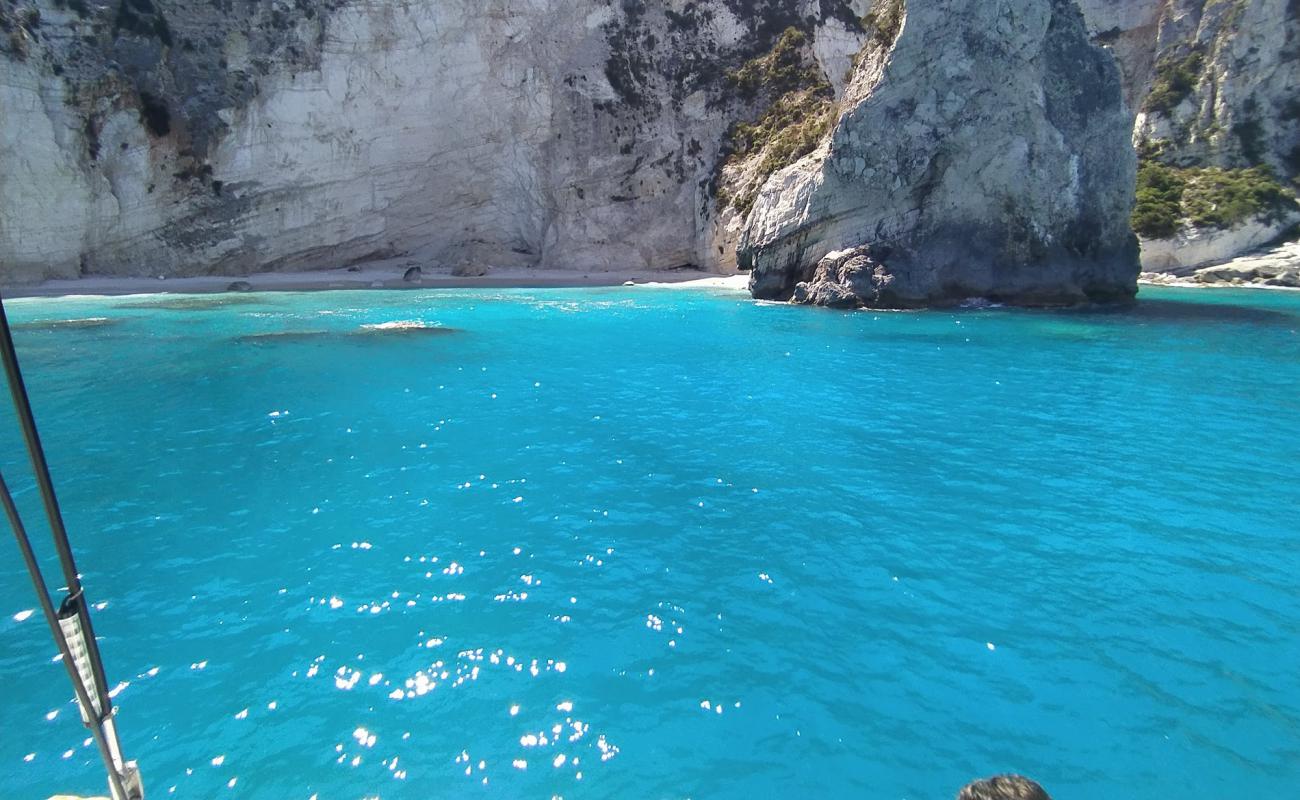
<point>627,543</point>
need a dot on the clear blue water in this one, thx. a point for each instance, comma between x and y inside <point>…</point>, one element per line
<point>777,551</point>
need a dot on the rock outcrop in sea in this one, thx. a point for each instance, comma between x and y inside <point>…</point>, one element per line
<point>981,151</point>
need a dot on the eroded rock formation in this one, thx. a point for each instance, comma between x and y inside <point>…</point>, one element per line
<point>1218,124</point>
<point>181,137</point>
<point>177,137</point>
<point>981,151</point>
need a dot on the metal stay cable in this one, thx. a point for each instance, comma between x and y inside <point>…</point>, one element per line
<point>23,407</point>
<point>70,624</point>
<point>51,618</point>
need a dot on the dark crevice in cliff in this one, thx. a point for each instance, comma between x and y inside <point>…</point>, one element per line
<point>141,18</point>
<point>168,58</point>
<point>154,114</point>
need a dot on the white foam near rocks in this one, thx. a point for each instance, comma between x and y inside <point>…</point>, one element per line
<point>398,325</point>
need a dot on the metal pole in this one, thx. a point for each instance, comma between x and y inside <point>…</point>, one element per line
<point>72,579</point>
<point>97,713</point>
<point>47,610</point>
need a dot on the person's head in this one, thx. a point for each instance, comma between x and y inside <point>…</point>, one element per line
<point>1003,787</point>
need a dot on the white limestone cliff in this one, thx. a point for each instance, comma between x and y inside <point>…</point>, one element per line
<point>514,132</point>
<point>172,137</point>
<point>1213,84</point>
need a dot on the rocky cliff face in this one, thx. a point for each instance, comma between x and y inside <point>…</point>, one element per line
<point>181,137</point>
<point>1223,91</point>
<point>1218,128</point>
<point>982,151</point>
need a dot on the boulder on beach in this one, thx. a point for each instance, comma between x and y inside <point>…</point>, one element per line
<point>240,286</point>
<point>470,269</point>
<point>1277,267</point>
<point>413,275</point>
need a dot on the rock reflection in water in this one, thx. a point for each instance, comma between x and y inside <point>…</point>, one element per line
<point>62,324</point>
<point>373,332</point>
<point>201,303</point>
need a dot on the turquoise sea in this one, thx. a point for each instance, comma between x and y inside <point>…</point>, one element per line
<point>623,543</point>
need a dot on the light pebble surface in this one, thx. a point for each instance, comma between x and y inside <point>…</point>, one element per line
<point>379,275</point>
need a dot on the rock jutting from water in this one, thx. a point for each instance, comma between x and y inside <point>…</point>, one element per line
<point>979,153</point>
<point>847,279</point>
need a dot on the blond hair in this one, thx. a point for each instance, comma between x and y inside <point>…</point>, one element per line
<point>1003,787</point>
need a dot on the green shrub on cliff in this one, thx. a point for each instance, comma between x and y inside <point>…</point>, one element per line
<point>1221,198</point>
<point>789,130</point>
<point>1206,197</point>
<point>800,111</point>
<point>885,21</point>
<point>784,69</point>
<point>1175,79</point>
<point>1158,212</point>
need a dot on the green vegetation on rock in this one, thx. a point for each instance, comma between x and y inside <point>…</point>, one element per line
<point>886,21</point>
<point>785,69</point>
<point>1158,212</point>
<point>882,25</point>
<point>790,130</point>
<point>799,114</point>
<point>1206,197</point>
<point>1175,79</point>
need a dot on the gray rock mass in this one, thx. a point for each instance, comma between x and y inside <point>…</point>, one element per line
<point>984,145</point>
<point>983,152</point>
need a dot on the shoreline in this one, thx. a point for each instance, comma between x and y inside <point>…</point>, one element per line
<point>378,275</point>
<point>1179,283</point>
<point>389,276</point>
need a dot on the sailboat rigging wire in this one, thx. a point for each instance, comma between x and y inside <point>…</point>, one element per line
<point>51,618</point>
<point>70,624</point>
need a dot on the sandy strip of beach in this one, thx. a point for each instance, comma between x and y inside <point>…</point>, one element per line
<point>379,275</point>
<point>1177,283</point>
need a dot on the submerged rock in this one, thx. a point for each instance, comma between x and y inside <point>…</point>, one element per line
<point>985,146</point>
<point>376,331</point>
<point>57,324</point>
<point>198,303</point>
<point>274,337</point>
